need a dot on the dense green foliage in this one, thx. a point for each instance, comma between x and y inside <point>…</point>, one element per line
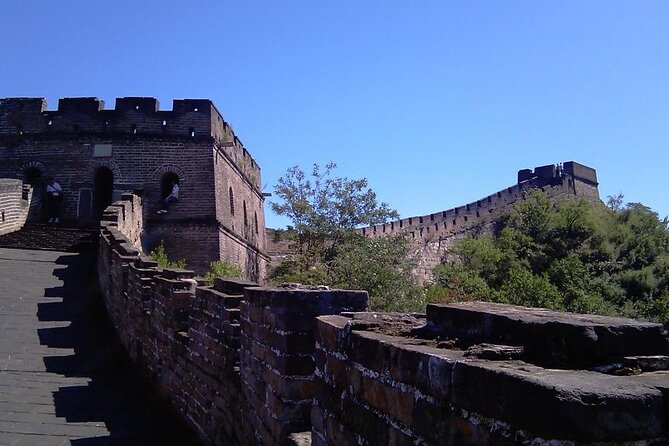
<point>571,255</point>
<point>324,211</point>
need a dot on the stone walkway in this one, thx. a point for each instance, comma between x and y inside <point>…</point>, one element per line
<point>63,379</point>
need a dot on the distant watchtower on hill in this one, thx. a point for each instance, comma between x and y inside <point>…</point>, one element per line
<point>97,154</point>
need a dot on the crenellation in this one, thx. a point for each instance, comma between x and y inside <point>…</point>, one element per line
<point>80,105</point>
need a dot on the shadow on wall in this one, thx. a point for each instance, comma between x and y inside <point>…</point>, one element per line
<point>113,395</point>
<point>252,265</point>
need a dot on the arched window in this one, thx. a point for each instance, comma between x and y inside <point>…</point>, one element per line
<point>255,220</point>
<point>232,202</point>
<point>246,220</point>
<point>167,182</point>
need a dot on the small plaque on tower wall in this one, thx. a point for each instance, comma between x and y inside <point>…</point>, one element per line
<point>102,150</point>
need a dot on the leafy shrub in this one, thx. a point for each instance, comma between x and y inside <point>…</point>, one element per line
<point>159,254</point>
<point>221,268</point>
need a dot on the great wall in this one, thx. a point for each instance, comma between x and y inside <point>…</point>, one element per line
<point>246,364</point>
<point>252,365</point>
<point>431,235</point>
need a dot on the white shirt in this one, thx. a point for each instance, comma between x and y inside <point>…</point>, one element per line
<point>175,191</point>
<point>54,189</point>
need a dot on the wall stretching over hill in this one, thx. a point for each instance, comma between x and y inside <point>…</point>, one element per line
<point>249,365</point>
<point>15,199</point>
<point>433,234</point>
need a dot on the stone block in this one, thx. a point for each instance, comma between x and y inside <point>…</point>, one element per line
<point>364,421</point>
<point>177,273</point>
<point>329,330</point>
<point>549,337</point>
<point>388,399</point>
<point>559,404</point>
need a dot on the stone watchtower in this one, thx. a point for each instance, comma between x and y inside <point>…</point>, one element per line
<point>97,154</point>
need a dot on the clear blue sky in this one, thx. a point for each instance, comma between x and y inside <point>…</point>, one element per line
<point>437,103</point>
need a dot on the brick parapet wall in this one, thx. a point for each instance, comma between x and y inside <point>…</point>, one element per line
<point>432,235</point>
<point>182,337</point>
<point>386,379</point>
<point>188,339</point>
<point>15,200</point>
<point>277,355</point>
<point>127,217</point>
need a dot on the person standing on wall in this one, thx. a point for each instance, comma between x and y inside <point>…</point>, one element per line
<point>173,197</point>
<point>54,195</point>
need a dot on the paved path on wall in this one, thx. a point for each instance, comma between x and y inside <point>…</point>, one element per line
<point>62,378</point>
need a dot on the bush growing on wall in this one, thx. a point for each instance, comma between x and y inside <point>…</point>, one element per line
<point>221,268</point>
<point>159,254</point>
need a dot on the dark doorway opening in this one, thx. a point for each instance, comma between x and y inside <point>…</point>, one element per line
<point>166,184</point>
<point>104,189</point>
<point>32,176</point>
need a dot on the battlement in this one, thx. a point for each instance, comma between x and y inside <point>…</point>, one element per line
<point>134,117</point>
<point>553,173</point>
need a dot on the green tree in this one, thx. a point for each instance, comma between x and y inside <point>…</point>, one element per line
<point>382,266</point>
<point>324,209</point>
<point>324,212</point>
<point>456,282</point>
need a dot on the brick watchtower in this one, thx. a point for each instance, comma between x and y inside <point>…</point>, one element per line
<point>97,154</point>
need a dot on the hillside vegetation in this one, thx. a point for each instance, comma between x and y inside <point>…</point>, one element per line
<point>571,256</point>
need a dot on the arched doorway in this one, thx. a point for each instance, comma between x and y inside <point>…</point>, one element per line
<point>104,189</point>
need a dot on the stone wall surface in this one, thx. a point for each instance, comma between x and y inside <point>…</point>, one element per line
<point>283,366</point>
<point>183,338</point>
<point>15,200</point>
